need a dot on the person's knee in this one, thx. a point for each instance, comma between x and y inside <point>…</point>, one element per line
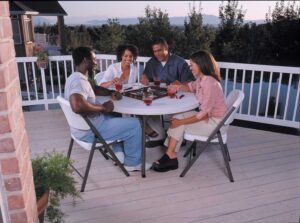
<point>134,123</point>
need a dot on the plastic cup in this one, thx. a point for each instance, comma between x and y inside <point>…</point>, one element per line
<point>147,98</point>
<point>157,83</point>
<point>119,86</point>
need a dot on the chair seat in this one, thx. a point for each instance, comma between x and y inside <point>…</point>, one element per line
<point>88,145</point>
<point>191,137</point>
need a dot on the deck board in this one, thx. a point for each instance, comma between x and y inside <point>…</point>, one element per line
<point>265,166</point>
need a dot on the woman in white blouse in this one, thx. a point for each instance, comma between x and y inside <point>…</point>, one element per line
<point>124,71</point>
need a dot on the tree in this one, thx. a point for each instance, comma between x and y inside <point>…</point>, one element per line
<point>227,42</point>
<point>77,36</point>
<point>155,24</point>
<point>282,34</point>
<point>196,35</point>
<point>111,35</point>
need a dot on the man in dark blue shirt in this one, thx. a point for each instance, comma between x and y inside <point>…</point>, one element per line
<point>164,66</point>
<point>167,68</point>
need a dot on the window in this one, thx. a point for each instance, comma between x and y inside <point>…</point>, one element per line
<point>16,30</point>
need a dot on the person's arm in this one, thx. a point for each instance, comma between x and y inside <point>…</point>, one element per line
<point>81,106</point>
<point>190,120</point>
<point>110,83</point>
<point>101,91</point>
<point>147,73</point>
<point>176,85</point>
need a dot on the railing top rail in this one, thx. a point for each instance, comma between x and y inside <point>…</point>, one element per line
<point>257,67</point>
<point>242,66</point>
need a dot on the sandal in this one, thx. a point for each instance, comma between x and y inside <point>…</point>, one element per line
<point>152,134</point>
<point>165,164</point>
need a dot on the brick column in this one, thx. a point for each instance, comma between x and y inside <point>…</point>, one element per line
<point>17,195</point>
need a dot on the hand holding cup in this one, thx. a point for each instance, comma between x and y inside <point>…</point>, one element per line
<point>172,90</point>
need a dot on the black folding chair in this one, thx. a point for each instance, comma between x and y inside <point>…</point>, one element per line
<point>84,123</point>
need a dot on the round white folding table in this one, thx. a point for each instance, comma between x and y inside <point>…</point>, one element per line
<point>161,106</point>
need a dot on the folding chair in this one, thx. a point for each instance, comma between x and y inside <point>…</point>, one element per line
<point>233,101</point>
<point>98,77</point>
<point>84,123</point>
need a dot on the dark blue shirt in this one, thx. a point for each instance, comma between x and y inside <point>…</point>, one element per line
<point>176,68</point>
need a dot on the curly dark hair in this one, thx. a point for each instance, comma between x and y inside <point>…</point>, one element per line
<point>121,49</point>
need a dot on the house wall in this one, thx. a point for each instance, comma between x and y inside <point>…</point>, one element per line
<point>17,195</point>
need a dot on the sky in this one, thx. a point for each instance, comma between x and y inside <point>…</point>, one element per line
<point>255,10</point>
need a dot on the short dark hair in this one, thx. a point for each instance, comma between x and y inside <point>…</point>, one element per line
<point>80,53</point>
<point>159,40</point>
<point>206,63</point>
<point>121,49</point>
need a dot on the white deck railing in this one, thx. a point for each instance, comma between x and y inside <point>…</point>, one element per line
<point>271,92</point>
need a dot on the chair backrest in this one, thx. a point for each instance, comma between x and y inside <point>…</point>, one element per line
<point>74,120</point>
<point>233,101</point>
<point>98,77</point>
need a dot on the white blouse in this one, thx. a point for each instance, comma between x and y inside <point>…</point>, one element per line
<point>115,70</point>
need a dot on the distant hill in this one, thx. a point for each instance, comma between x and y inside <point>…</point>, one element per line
<point>93,21</point>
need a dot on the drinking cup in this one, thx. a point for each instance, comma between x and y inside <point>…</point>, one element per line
<point>119,86</point>
<point>147,98</point>
<point>157,82</point>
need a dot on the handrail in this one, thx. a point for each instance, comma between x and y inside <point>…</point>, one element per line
<point>271,92</point>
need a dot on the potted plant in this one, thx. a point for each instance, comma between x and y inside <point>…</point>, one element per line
<point>53,181</point>
<point>42,57</point>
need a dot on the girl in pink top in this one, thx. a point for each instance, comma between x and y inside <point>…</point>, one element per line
<point>208,91</point>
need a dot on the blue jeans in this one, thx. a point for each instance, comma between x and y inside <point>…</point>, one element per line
<point>126,129</point>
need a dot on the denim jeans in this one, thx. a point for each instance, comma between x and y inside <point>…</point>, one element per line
<point>126,129</point>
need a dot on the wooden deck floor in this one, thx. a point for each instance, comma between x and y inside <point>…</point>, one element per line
<point>265,166</point>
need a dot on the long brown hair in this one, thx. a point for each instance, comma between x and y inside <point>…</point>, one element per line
<point>206,63</point>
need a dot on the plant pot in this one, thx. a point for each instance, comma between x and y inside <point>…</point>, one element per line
<point>42,63</point>
<point>41,204</point>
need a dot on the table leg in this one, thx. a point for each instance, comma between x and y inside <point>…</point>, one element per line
<point>143,146</point>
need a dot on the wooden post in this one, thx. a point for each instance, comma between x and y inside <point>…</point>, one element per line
<point>61,33</point>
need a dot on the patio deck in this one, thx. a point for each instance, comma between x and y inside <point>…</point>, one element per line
<point>265,166</point>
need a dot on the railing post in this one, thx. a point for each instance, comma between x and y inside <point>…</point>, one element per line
<point>44,88</point>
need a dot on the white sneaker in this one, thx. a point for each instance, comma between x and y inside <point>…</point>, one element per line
<point>120,156</point>
<point>137,167</point>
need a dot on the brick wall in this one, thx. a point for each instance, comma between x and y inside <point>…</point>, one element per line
<point>17,195</point>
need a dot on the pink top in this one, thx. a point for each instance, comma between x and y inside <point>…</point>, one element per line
<point>209,93</point>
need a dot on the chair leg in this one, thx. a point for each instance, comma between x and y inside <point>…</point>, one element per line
<point>192,147</point>
<point>162,121</point>
<point>109,150</point>
<point>88,166</point>
<point>103,153</point>
<point>70,148</point>
<point>192,161</point>
<point>227,152</point>
<point>225,157</point>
